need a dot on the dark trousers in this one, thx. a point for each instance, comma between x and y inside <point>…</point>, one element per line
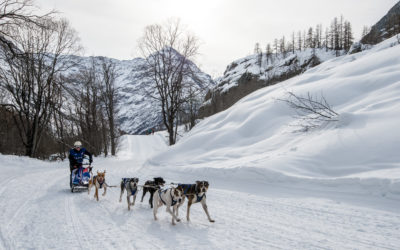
<point>71,167</point>
<point>70,175</point>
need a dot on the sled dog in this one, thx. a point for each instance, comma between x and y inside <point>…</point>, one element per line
<point>194,193</point>
<point>98,181</point>
<point>170,197</point>
<point>151,187</point>
<point>131,187</point>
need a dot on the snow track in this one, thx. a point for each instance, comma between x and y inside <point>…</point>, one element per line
<point>47,215</point>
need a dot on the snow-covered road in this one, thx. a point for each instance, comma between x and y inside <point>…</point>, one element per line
<point>38,211</point>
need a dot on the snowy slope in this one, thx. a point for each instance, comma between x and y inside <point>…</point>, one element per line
<point>255,139</point>
<point>248,74</point>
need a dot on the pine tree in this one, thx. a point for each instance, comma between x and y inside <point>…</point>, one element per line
<point>276,47</point>
<point>299,41</point>
<point>293,42</point>
<point>282,46</point>
<point>268,53</point>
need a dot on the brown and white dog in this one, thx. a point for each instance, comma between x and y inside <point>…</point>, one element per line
<point>194,193</point>
<point>98,181</point>
<point>170,197</point>
<point>131,187</point>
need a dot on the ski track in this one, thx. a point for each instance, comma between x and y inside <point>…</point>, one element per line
<point>256,221</point>
<point>49,216</point>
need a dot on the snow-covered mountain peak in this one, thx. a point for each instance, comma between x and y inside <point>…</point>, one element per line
<point>138,113</point>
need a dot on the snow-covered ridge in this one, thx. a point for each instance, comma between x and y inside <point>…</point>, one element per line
<point>255,140</point>
<point>275,66</point>
<point>253,72</point>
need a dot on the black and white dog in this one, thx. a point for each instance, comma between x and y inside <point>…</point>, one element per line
<point>194,193</point>
<point>152,186</point>
<point>131,187</point>
<point>170,197</point>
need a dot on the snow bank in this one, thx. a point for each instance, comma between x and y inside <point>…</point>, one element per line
<point>254,139</point>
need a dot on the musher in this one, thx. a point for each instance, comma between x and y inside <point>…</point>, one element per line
<point>75,157</point>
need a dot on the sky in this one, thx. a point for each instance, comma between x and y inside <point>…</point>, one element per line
<point>227,29</point>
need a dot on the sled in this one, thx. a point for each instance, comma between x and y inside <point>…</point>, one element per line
<point>80,178</point>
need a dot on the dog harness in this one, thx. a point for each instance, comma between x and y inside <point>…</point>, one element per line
<point>186,187</point>
<point>199,198</point>
<point>100,183</point>
<point>126,180</point>
<point>172,198</point>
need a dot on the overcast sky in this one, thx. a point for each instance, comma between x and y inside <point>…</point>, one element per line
<point>228,29</point>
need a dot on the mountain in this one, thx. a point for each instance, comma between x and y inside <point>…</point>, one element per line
<point>136,112</point>
<point>386,27</point>
<point>250,73</point>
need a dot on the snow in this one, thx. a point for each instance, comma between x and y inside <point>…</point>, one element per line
<point>280,65</point>
<point>271,187</point>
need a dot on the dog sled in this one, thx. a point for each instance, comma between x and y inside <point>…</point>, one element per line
<point>80,178</point>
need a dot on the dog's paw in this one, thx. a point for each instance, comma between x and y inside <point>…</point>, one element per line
<point>178,220</point>
<point>212,220</point>
<point>103,194</point>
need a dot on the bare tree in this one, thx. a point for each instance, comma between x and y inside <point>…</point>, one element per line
<point>109,98</point>
<point>89,110</point>
<point>168,51</point>
<point>311,111</point>
<point>16,13</point>
<point>31,78</point>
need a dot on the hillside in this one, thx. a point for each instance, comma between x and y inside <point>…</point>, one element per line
<point>256,140</point>
<point>248,74</point>
<point>386,27</point>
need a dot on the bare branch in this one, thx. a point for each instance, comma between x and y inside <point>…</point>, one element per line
<point>311,111</point>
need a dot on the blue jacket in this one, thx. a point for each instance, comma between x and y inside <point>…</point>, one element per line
<point>76,157</point>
